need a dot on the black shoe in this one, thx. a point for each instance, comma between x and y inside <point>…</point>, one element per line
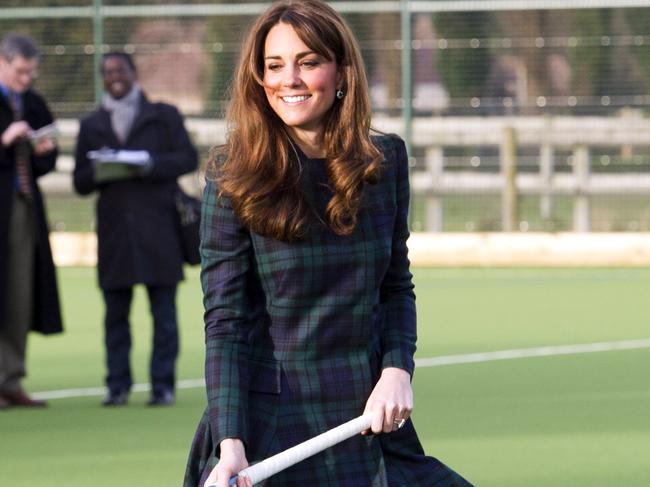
<point>4,404</point>
<point>116,399</point>
<point>20,398</point>
<point>165,398</point>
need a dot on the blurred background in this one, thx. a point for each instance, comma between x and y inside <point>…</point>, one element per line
<point>524,118</point>
<point>520,115</point>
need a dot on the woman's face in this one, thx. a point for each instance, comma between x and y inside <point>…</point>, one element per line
<point>300,84</point>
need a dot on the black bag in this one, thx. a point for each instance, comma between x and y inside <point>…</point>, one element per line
<point>188,210</point>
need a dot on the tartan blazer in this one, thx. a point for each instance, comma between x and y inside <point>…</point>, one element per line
<point>297,335</point>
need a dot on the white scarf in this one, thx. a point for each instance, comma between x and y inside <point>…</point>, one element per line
<point>123,111</point>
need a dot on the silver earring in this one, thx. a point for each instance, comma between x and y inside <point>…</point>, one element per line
<point>339,94</point>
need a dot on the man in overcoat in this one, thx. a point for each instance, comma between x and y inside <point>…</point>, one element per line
<point>28,291</point>
<point>137,228</point>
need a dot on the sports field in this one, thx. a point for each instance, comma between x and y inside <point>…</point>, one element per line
<point>570,419</point>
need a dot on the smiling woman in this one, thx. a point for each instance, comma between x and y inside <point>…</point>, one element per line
<point>309,303</point>
<point>300,85</point>
<point>324,63</point>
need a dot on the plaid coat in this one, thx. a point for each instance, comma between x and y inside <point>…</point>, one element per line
<point>297,335</point>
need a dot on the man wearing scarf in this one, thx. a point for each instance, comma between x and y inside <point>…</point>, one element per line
<point>137,228</point>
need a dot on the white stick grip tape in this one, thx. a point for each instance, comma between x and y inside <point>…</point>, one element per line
<point>285,459</point>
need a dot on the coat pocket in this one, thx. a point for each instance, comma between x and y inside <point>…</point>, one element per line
<point>263,409</point>
<point>265,376</point>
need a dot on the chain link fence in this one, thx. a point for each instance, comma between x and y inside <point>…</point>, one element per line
<point>482,67</point>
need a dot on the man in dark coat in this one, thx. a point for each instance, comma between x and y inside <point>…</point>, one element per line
<point>137,226</point>
<point>28,291</point>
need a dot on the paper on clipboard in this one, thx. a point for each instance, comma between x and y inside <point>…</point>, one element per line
<point>46,132</point>
<point>111,164</point>
<point>128,157</point>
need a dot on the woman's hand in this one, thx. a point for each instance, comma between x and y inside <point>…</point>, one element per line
<point>391,401</point>
<point>231,461</point>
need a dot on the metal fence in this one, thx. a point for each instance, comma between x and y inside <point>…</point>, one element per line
<point>457,79</point>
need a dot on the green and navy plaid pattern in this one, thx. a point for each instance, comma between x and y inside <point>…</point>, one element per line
<point>297,335</point>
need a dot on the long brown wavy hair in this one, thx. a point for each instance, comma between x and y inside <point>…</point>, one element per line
<point>261,170</point>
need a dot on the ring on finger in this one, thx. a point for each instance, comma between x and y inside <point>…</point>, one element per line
<point>399,422</point>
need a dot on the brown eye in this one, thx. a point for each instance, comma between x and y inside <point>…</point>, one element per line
<point>310,64</point>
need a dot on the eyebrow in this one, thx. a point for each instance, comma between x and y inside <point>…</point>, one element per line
<point>299,55</point>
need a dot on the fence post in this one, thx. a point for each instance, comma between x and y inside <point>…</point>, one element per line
<point>546,156</point>
<point>98,41</point>
<point>508,160</point>
<point>407,95</point>
<point>434,162</point>
<point>581,172</point>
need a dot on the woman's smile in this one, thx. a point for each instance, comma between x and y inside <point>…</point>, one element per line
<point>294,99</point>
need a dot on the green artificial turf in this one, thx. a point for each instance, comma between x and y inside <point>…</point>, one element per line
<point>570,420</point>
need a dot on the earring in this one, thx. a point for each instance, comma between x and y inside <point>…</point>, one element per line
<point>339,94</point>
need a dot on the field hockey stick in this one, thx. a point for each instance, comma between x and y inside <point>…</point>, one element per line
<point>291,456</point>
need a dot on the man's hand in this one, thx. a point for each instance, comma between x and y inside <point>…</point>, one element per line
<point>44,146</point>
<point>15,131</point>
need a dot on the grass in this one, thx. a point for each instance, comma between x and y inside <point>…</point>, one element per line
<point>462,213</point>
<point>573,420</point>
<point>480,213</point>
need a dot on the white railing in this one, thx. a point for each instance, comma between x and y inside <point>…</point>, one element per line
<point>548,134</point>
<point>436,135</point>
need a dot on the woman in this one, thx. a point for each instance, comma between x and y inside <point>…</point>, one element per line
<point>310,311</point>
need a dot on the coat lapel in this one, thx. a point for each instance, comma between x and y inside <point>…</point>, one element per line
<point>146,114</point>
<point>104,128</point>
<point>4,104</point>
<point>6,114</point>
<point>30,111</point>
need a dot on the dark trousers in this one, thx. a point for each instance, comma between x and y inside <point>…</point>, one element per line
<point>162,300</point>
<point>20,303</point>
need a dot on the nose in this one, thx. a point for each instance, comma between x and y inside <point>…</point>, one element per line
<point>291,76</point>
<point>26,78</point>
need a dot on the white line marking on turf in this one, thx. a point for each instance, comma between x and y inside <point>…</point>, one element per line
<point>469,358</point>
<point>549,351</point>
<point>100,391</point>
